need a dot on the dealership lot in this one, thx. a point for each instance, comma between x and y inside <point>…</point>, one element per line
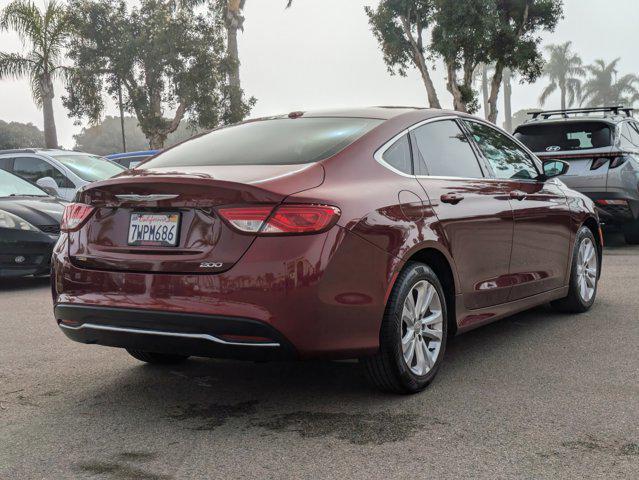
<point>538,395</point>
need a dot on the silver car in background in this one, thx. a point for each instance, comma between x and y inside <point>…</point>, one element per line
<point>602,147</point>
<point>58,172</point>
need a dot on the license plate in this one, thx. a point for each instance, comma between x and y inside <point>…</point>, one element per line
<point>156,229</point>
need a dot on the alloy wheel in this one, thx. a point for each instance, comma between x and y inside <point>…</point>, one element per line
<point>587,269</point>
<point>422,327</point>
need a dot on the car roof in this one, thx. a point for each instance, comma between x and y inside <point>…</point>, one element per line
<point>43,151</point>
<point>139,153</point>
<point>380,113</point>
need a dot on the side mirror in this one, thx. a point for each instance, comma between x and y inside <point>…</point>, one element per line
<point>47,182</point>
<point>49,185</point>
<point>555,168</point>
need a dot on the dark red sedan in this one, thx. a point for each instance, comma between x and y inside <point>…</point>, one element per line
<point>373,234</point>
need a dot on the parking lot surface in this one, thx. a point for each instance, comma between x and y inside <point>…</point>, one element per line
<point>538,395</point>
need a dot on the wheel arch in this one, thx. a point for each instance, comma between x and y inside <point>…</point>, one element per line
<point>443,267</point>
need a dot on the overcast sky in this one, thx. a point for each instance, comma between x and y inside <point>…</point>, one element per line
<point>321,53</point>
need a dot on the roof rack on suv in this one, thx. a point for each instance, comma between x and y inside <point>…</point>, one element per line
<point>545,114</point>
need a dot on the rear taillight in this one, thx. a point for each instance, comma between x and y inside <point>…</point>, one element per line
<point>617,162</point>
<point>283,220</point>
<point>598,162</point>
<point>74,216</point>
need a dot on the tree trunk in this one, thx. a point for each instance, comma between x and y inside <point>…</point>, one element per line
<point>495,84</point>
<point>508,90</point>
<point>433,100</point>
<point>121,106</point>
<point>563,98</point>
<point>420,63</point>
<point>453,88</point>
<point>156,140</point>
<point>234,22</point>
<point>50,133</point>
<point>484,88</point>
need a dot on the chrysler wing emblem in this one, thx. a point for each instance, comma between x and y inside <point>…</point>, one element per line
<point>146,198</point>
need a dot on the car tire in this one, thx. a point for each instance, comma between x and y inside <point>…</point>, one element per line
<point>394,368</point>
<point>583,279</point>
<point>631,233</point>
<point>156,358</point>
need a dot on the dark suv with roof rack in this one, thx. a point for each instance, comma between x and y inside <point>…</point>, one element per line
<point>602,147</point>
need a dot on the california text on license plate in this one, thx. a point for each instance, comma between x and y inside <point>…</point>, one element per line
<point>158,229</point>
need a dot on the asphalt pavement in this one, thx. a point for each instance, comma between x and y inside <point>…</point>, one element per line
<point>538,395</point>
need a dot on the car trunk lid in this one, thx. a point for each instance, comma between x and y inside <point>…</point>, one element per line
<point>588,171</point>
<point>204,242</point>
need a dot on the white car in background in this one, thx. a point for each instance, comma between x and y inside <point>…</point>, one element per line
<point>59,172</point>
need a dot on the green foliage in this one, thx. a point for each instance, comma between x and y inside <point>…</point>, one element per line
<point>465,34</point>
<point>399,27</point>
<point>462,37</point>
<point>44,33</point>
<point>515,39</point>
<point>106,137</point>
<point>604,89</point>
<point>166,57</point>
<point>565,70</point>
<point>20,135</point>
<point>392,22</point>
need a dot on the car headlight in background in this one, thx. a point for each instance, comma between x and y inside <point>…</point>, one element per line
<point>9,220</point>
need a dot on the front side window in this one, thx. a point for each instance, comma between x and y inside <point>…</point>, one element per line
<point>444,150</point>
<point>398,156</point>
<point>90,168</point>
<point>277,141</point>
<point>506,158</point>
<point>33,169</point>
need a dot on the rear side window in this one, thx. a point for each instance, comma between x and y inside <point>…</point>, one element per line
<point>280,141</point>
<point>444,150</point>
<point>398,156</point>
<point>565,136</point>
<point>506,158</point>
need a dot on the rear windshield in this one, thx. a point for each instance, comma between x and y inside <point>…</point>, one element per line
<point>280,141</point>
<point>565,136</point>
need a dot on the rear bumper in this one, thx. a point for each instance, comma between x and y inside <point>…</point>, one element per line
<point>615,207</point>
<point>323,295</point>
<point>25,253</point>
<point>175,333</point>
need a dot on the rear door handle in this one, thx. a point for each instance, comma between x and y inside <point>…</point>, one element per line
<point>517,195</point>
<point>452,198</point>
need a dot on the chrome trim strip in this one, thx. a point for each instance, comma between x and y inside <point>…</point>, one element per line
<point>146,198</point>
<point>196,336</point>
<point>381,150</point>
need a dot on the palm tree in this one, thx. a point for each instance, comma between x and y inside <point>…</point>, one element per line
<point>603,88</point>
<point>44,32</point>
<point>564,69</point>
<point>234,22</point>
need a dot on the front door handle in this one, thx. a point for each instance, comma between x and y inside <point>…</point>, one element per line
<point>517,195</point>
<point>452,198</point>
